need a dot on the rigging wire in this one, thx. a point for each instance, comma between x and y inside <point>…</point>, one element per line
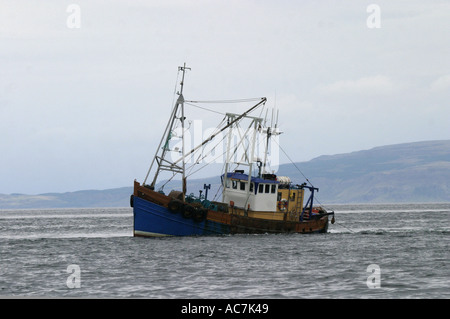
<point>217,193</point>
<point>226,101</point>
<point>175,88</point>
<point>203,108</point>
<point>200,157</point>
<point>163,185</point>
<point>293,163</point>
<point>197,162</point>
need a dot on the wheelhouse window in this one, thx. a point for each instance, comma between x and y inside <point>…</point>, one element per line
<point>242,186</point>
<point>273,188</point>
<point>267,189</point>
<point>234,184</point>
<point>261,188</point>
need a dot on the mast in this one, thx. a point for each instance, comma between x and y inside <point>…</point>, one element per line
<point>183,179</point>
<point>161,158</point>
<point>270,131</point>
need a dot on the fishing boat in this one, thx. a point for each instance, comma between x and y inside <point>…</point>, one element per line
<point>254,200</point>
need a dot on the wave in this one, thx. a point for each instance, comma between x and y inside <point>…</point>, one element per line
<point>67,235</point>
<point>386,231</point>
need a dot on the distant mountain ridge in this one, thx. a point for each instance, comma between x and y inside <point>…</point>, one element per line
<point>409,172</point>
<point>116,197</point>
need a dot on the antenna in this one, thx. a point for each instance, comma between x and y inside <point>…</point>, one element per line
<point>276,121</point>
<point>182,68</point>
<point>275,108</point>
<point>271,119</point>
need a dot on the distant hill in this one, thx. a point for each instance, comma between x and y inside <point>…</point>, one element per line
<point>411,172</point>
<point>116,197</point>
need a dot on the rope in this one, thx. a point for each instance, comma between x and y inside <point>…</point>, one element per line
<point>345,227</point>
<point>293,163</point>
<point>162,187</point>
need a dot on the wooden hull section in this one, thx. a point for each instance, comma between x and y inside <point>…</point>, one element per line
<point>154,216</point>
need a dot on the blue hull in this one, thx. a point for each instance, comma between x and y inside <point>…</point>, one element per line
<point>152,220</point>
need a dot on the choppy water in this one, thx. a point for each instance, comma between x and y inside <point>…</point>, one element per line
<point>409,243</point>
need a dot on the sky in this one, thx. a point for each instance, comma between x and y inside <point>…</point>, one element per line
<point>87,86</point>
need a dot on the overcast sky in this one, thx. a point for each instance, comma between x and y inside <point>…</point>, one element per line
<point>83,102</point>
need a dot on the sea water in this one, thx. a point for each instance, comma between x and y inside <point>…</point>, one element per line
<point>372,251</point>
